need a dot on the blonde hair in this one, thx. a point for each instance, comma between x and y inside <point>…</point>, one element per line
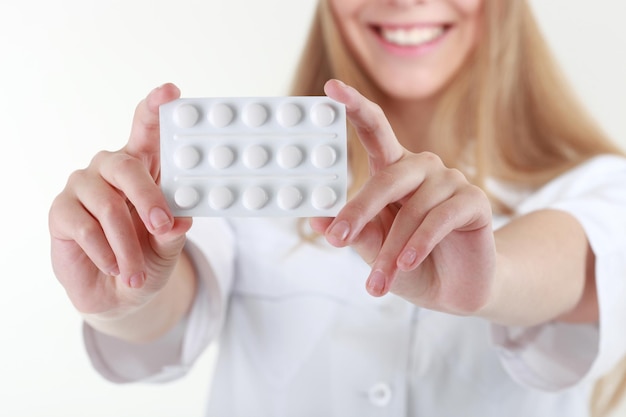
<point>508,113</point>
<point>608,397</point>
<point>509,104</point>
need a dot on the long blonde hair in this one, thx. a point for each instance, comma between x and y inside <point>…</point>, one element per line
<point>510,99</point>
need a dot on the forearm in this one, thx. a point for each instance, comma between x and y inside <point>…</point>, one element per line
<point>545,272</point>
<point>159,315</point>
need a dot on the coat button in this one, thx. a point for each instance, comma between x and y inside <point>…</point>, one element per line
<point>379,394</point>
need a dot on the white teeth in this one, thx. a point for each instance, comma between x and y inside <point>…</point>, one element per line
<point>412,36</point>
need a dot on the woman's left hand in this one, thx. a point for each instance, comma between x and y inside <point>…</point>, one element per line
<point>422,227</point>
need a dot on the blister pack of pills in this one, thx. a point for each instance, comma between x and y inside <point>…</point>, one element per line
<point>251,156</point>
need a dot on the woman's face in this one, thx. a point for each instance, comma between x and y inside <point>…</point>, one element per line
<point>410,48</point>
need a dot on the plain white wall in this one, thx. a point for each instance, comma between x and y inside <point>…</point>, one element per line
<point>72,72</point>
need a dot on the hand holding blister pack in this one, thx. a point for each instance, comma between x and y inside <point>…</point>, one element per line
<point>266,157</point>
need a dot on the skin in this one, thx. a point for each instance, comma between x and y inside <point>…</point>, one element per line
<point>423,228</point>
<point>114,242</point>
<point>411,77</point>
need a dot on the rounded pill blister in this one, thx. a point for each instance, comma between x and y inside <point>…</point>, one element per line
<point>187,157</point>
<point>289,197</point>
<point>221,197</point>
<point>255,156</point>
<point>255,198</point>
<point>289,156</point>
<point>324,156</point>
<point>221,115</point>
<point>186,197</point>
<point>255,114</point>
<point>323,114</point>
<point>221,157</point>
<point>289,114</point>
<point>323,197</point>
<point>186,115</point>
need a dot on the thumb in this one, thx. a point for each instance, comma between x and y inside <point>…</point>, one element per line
<point>168,245</point>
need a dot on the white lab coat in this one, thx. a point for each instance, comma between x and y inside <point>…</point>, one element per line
<point>299,335</point>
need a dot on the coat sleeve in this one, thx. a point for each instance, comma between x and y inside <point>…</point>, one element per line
<point>211,248</point>
<point>555,356</point>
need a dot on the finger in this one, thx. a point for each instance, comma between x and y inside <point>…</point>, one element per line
<point>144,136</point>
<point>320,224</point>
<point>109,208</point>
<point>469,210</point>
<point>169,245</point>
<point>371,238</point>
<point>453,214</point>
<point>432,193</point>
<point>369,241</point>
<point>130,176</point>
<point>390,185</point>
<point>396,253</point>
<point>70,223</point>
<point>370,123</point>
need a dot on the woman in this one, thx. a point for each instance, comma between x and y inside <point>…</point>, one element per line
<point>478,134</point>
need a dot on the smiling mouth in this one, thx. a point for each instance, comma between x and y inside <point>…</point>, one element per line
<point>411,36</point>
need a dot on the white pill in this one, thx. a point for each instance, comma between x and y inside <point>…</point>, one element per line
<point>254,114</point>
<point>186,197</point>
<point>221,157</point>
<point>323,197</point>
<point>289,114</point>
<point>186,157</point>
<point>255,198</point>
<point>289,156</point>
<point>324,156</point>
<point>323,114</point>
<point>221,115</point>
<point>221,197</point>
<point>289,198</point>
<point>186,115</point>
<point>255,156</point>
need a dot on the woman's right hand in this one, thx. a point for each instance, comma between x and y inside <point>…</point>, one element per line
<point>114,241</point>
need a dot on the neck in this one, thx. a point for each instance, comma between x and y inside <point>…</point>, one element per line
<point>411,122</point>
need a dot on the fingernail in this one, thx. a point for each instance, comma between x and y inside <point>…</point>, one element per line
<point>159,218</point>
<point>407,259</point>
<point>340,230</point>
<point>115,271</point>
<point>376,283</point>
<point>137,280</point>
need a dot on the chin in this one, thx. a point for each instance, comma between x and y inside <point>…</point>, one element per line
<point>409,90</point>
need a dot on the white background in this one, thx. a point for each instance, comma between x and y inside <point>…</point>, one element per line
<point>72,72</point>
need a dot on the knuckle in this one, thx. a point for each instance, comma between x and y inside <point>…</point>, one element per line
<point>454,175</point>
<point>87,231</point>
<point>124,162</point>
<point>99,158</point>
<point>430,159</point>
<point>112,207</point>
<point>75,178</point>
